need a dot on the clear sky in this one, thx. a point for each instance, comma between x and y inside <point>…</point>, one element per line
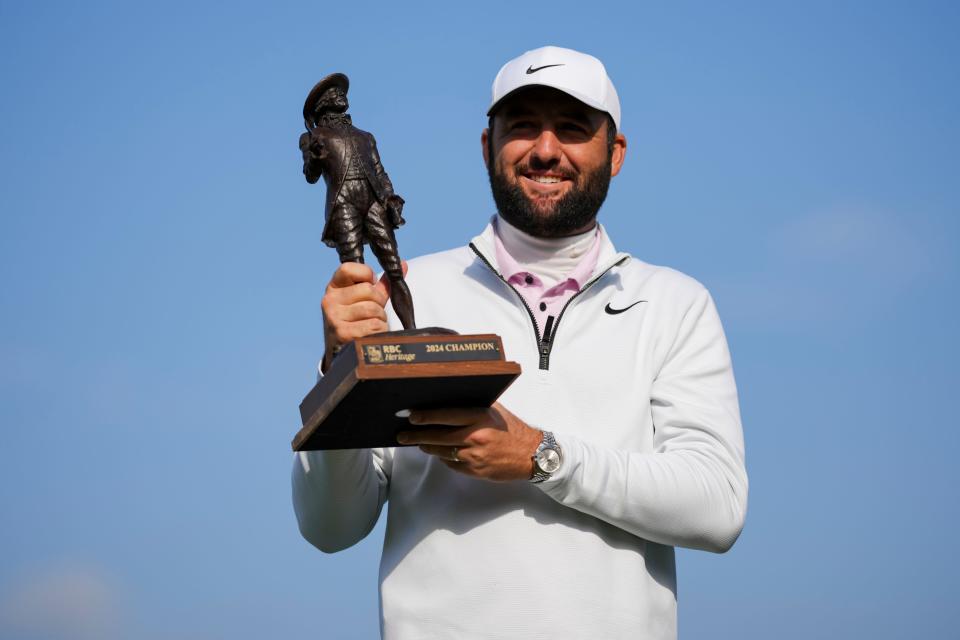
<point>162,271</point>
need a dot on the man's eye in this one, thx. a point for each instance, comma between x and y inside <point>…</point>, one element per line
<point>521,125</point>
<point>572,127</point>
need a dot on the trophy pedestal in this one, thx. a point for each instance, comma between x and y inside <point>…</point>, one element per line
<point>364,399</point>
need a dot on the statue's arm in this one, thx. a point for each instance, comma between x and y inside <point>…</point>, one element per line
<point>312,149</point>
<point>378,167</point>
<point>393,203</point>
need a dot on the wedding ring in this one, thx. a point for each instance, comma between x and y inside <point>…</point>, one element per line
<point>453,454</point>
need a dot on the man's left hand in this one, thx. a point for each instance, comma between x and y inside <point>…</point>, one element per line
<point>489,443</point>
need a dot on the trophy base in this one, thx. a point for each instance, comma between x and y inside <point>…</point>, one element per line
<point>364,399</point>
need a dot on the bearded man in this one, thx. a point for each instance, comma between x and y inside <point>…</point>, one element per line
<point>555,512</point>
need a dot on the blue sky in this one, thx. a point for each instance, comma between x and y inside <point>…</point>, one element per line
<point>162,272</point>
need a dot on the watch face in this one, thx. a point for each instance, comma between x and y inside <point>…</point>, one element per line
<point>548,460</point>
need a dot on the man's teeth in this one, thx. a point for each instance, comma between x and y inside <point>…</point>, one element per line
<point>545,179</point>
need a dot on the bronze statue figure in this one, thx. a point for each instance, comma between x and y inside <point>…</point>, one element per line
<point>361,206</point>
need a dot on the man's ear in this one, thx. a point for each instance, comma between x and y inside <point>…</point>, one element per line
<point>485,148</point>
<point>619,153</point>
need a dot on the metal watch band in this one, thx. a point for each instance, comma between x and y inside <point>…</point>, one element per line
<point>546,442</point>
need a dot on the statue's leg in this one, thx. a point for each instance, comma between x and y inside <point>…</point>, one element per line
<point>383,243</point>
<point>347,226</point>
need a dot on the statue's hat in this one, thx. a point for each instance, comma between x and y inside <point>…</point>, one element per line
<point>332,80</point>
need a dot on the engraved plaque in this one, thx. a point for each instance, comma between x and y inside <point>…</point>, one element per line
<point>365,397</point>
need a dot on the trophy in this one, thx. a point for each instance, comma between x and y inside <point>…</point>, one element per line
<point>373,382</point>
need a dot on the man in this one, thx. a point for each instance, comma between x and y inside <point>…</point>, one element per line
<point>361,205</point>
<point>554,513</point>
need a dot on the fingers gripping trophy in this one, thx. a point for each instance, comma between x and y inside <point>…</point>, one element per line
<point>361,207</point>
<point>373,381</point>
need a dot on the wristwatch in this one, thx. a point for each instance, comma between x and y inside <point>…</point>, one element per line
<point>547,458</point>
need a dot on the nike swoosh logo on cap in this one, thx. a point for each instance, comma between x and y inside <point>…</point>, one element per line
<point>614,312</point>
<point>530,69</point>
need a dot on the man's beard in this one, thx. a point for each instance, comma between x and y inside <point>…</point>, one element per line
<point>573,212</point>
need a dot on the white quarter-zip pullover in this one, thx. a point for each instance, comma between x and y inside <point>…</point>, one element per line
<point>635,381</point>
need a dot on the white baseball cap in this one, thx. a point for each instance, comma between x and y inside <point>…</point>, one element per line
<point>577,74</point>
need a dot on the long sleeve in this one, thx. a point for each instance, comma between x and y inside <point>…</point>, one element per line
<point>338,495</point>
<point>691,490</point>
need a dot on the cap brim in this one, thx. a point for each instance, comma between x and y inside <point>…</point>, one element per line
<point>573,94</point>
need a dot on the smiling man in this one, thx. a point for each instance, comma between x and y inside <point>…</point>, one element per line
<point>554,513</point>
<point>555,159</point>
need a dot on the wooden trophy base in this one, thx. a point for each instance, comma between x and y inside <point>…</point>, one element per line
<point>364,399</point>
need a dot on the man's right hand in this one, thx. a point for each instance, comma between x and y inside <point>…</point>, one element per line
<point>353,306</point>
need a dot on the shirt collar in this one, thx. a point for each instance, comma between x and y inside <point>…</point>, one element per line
<point>513,272</point>
<point>484,245</point>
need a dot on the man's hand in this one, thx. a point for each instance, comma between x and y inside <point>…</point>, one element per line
<point>492,444</point>
<point>353,307</point>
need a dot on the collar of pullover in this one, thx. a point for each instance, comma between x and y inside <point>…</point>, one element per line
<point>551,260</point>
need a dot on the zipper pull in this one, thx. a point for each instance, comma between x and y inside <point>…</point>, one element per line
<point>546,343</point>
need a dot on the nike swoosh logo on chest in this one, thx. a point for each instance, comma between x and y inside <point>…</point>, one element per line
<point>614,312</point>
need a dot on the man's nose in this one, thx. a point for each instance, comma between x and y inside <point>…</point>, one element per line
<point>546,148</point>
